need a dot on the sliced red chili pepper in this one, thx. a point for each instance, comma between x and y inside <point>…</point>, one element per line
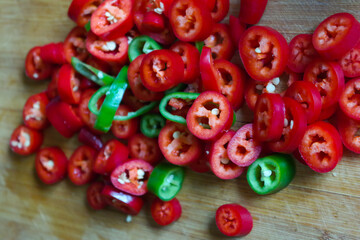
<point>90,139</point>
<point>34,115</point>
<point>302,52</point>
<point>68,85</point>
<point>51,165</point>
<point>51,90</point>
<point>132,176</point>
<point>86,116</point>
<point>161,70</point>
<point>349,132</point>
<point>321,147</point>
<point>112,19</point>
<point>63,118</point>
<point>136,85</point>
<point>220,42</point>
<point>264,53</point>
<point>328,78</point>
<point>53,53</point>
<point>190,21</point>
<point>308,96</point>
<point>237,28</point>
<point>243,149</point>
<point>220,10</point>
<point>25,141</point>
<point>209,116</point>
<point>178,145</point>
<point>147,149</point>
<point>36,68</point>
<point>251,11</point>
<point>153,22</point>
<point>233,220</point>
<point>220,163</point>
<point>114,51</point>
<point>209,74</point>
<point>165,37</point>
<point>80,165</point>
<point>231,82</point>
<point>74,44</point>
<point>326,113</point>
<point>124,202</point>
<point>294,127</point>
<point>112,154</point>
<point>165,213</point>
<point>94,197</point>
<point>350,99</point>
<point>269,117</point>
<point>350,62</point>
<point>336,35</point>
<point>125,129</point>
<point>80,11</point>
<point>190,56</point>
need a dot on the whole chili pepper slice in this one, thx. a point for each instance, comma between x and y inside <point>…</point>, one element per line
<point>91,73</point>
<point>271,174</point>
<point>151,124</point>
<point>166,181</point>
<point>164,102</point>
<point>140,45</point>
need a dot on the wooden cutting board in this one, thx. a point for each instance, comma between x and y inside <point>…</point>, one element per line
<point>314,206</point>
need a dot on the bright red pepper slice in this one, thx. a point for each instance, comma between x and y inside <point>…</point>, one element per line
<point>269,117</point>
<point>328,78</point>
<point>321,147</point>
<point>132,176</point>
<point>112,19</point>
<point>25,141</point>
<point>251,11</point>
<point>264,53</point>
<point>34,115</point>
<point>74,44</point>
<point>94,197</point>
<point>237,28</point>
<point>51,90</point>
<point>142,147</point>
<point>153,22</point>
<point>348,129</point>
<point>220,42</point>
<point>51,165</point>
<point>53,53</point>
<point>233,220</point>
<point>220,10</point>
<point>35,67</point>
<point>80,11</point>
<point>350,99</point>
<point>209,74</point>
<point>350,62</point>
<point>68,85</point>
<point>122,201</point>
<point>336,35</point>
<point>125,129</point>
<point>112,154</point>
<point>243,149</point>
<point>165,213</point>
<point>161,70</point>
<point>80,165</point>
<point>294,127</point>
<point>220,163</point>
<point>209,116</point>
<point>178,145</point>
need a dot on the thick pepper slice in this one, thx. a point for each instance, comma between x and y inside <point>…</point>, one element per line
<point>151,124</point>
<point>166,181</point>
<point>271,174</point>
<point>142,45</point>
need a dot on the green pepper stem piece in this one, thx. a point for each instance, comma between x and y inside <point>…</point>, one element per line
<point>141,111</point>
<point>140,45</point>
<point>199,46</point>
<point>166,99</point>
<point>91,73</point>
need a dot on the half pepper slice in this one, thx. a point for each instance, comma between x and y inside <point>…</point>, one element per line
<point>140,45</point>
<point>271,174</point>
<point>166,181</point>
<point>164,102</point>
<point>151,124</point>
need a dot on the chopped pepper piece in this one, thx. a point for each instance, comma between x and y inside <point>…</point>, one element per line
<point>151,124</point>
<point>140,45</point>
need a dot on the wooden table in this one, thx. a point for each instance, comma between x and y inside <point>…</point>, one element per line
<point>314,206</point>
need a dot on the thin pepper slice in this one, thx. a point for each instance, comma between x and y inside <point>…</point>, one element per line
<point>140,45</point>
<point>166,99</point>
<point>139,112</point>
<point>166,181</point>
<point>91,73</point>
<point>151,124</point>
<point>112,101</point>
<point>271,174</point>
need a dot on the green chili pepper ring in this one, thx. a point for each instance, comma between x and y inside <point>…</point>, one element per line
<point>140,45</point>
<point>151,124</point>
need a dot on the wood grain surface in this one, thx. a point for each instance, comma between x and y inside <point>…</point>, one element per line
<point>314,206</point>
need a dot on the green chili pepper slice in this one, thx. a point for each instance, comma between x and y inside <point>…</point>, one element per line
<point>88,26</point>
<point>151,124</point>
<point>271,174</point>
<point>91,73</point>
<point>138,113</point>
<point>111,102</point>
<point>140,45</point>
<point>199,46</point>
<point>166,181</point>
<point>166,99</point>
